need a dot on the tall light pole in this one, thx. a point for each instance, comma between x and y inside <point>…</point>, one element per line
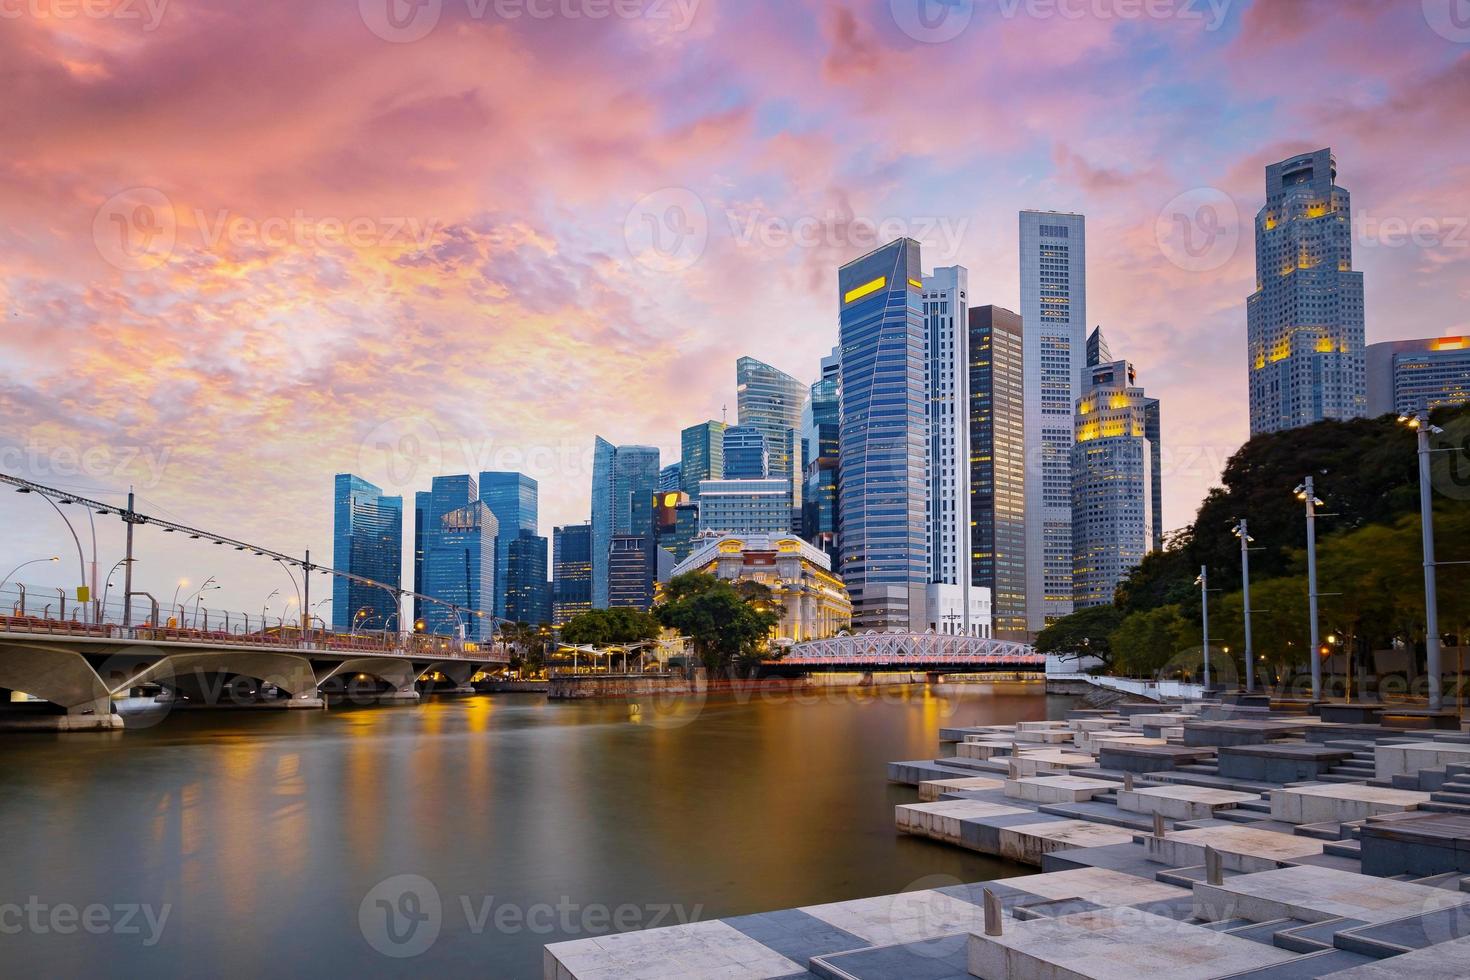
<point>1204,601</point>
<point>1423,429</point>
<point>34,561</point>
<point>81,560</point>
<point>1242,531</point>
<point>1306,493</point>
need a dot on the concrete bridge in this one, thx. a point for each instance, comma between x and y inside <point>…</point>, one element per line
<point>82,669</point>
<point>933,653</point>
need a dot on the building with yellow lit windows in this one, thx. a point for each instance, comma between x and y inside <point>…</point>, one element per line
<point>815,601</point>
<point>1117,513</point>
<point>1305,319</point>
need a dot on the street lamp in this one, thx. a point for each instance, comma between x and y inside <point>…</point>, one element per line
<point>1423,428</point>
<point>1204,599</point>
<point>34,561</point>
<point>1242,531</point>
<point>1306,492</point>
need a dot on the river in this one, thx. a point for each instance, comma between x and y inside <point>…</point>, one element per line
<point>261,842</point>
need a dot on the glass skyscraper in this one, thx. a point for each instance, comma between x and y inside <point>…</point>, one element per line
<point>624,481</point>
<point>744,507</point>
<point>747,455</point>
<point>1054,310</point>
<point>882,479</point>
<point>459,559</point>
<point>528,594</point>
<point>368,541</point>
<point>771,401</point>
<point>513,499</point>
<point>670,477</point>
<point>1408,376</point>
<point>946,311</point>
<point>998,465</point>
<point>820,425</point>
<point>571,572</point>
<point>1305,319</point>
<point>703,447</point>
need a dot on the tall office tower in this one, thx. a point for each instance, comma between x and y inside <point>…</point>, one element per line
<point>747,455</point>
<point>1114,464</point>
<point>670,477</point>
<point>633,567</point>
<point>998,465</point>
<point>421,503</point>
<point>571,586</point>
<point>624,480</point>
<point>882,475</point>
<point>528,595</point>
<point>772,401</point>
<point>820,427</point>
<point>946,313</point>
<point>1098,351</point>
<point>745,506</point>
<point>459,559</point>
<point>367,540</point>
<point>1305,319</point>
<point>1054,310</point>
<point>514,500</point>
<point>1407,376</point>
<point>703,448</point>
<point>675,523</point>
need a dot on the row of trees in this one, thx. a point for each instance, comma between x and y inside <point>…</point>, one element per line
<point>1369,558</point>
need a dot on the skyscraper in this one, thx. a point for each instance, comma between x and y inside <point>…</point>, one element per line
<point>1407,376</point>
<point>771,401</point>
<point>624,480</point>
<point>1054,311</point>
<point>513,499</point>
<point>703,448</point>
<point>747,455</point>
<point>998,465</point>
<point>633,569</point>
<point>882,492</point>
<point>1115,466</point>
<point>947,318</point>
<point>528,595</point>
<point>571,572</point>
<point>367,540</point>
<point>459,559</point>
<point>820,428</point>
<point>670,477</point>
<point>1305,319</point>
<point>422,500</point>
<point>744,506</point>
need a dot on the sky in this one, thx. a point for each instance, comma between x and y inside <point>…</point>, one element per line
<point>244,247</point>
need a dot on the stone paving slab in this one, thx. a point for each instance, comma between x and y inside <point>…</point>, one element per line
<point>1028,842</point>
<point>1056,789</point>
<point>1242,847</point>
<point>1100,886</point>
<point>1340,802</point>
<point>903,918</point>
<point>1051,760</point>
<point>1181,802</point>
<point>1115,944</point>
<point>696,950</point>
<point>946,958</point>
<point>931,789</point>
<point>1446,961</point>
<point>795,934</point>
<point>1314,894</point>
<point>941,820</point>
<point>1408,757</point>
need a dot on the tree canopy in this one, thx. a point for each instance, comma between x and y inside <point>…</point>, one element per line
<point>610,627</point>
<point>729,625</point>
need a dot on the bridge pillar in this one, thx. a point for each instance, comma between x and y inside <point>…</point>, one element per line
<point>932,677</point>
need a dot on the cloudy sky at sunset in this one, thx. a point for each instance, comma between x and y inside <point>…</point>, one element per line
<point>245,246</point>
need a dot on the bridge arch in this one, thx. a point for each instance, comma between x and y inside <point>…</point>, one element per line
<point>288,672</point>
<point>60,676</point>
<point>397,673</point>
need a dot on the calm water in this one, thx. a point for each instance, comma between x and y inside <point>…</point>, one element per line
<point>264,833</point>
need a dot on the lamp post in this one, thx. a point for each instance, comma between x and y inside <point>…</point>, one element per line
<point>1204,601</point>
<point>1242,531</point>
<point>1306,493</point>
<point>34,561</point>
<point>1423,429</point>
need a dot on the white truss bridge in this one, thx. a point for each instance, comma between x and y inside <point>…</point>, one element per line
<point>914,651</point>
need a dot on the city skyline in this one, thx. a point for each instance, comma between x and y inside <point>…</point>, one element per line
<point>230,366</point>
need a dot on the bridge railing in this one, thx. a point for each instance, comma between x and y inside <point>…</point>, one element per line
<point>937,649</point>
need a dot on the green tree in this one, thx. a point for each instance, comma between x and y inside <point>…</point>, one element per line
<point>728,625</point>
<point>1146,641</point>
<point>1084,633</point>
<point>610,627</point>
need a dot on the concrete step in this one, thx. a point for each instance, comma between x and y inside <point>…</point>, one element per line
<point>1331,831</point>
<point>1224,925</point>
<point>1357,765</point>
<point>1200,768</point>
<point>1238,815</point>
<point>1260,806</point>
<point>1344,848</point>
<point>1337,776</point>
<point>1434,807</point>
<point>1449,881</point>
<point>1445,796</point>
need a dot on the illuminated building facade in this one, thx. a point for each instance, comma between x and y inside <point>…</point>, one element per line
<point>703,448</point>
<point>367,531</point>
<point>571,571</point>
<point>947,320</point>
<point>1407,376</point>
